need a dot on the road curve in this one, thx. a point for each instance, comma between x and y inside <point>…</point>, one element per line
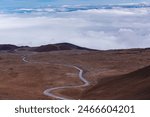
<point>24,59</point>
<point>49,92</point>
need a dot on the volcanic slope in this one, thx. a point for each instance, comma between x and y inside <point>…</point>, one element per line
<point>26,72</point>
<point>135,85</point>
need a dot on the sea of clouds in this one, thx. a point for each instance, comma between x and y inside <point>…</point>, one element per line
<point>114,28</point>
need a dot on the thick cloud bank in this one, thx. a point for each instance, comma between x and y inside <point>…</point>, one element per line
<point>94,28</point>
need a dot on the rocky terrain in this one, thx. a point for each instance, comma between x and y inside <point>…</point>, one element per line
<point>26,72</point>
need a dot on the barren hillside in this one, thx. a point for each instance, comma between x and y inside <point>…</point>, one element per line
<point>26,72</point>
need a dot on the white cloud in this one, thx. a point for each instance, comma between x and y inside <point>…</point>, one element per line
<point>97,28</point>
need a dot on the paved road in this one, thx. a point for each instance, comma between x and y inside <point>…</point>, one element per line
<point>49,92</point>
<point>24,60</point>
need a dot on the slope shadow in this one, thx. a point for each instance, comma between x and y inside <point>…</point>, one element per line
<point>134,85</point>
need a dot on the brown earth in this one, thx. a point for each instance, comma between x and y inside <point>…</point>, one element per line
<point>135,85</point>
<point>113,74</point>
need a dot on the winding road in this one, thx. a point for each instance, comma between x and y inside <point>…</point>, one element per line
<point>49,92</point>
<point>24,60</point>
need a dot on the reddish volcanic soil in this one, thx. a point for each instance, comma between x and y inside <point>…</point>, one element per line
<point>113,74</point>
<point>134,85</point>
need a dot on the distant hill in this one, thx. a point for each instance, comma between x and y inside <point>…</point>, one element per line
<point>135,85</point>
<point>57,47</point>
<point>43,48</point>
<point>8,47</point>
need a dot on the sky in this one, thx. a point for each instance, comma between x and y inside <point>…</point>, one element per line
<point>116,28</point>
<point>37,3</point>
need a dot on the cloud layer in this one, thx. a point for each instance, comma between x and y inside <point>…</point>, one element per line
<point>95,28</point>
